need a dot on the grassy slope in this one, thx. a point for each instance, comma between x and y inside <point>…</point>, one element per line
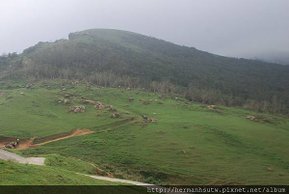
<point>187,144</point>
<point>20,174</point>
<point>37,113</point>
<point>69,163</point>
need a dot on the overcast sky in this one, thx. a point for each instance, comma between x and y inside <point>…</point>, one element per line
<point>241,28</point>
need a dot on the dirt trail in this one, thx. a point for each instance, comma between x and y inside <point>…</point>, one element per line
<point>77,132</point>
<point>27,143</point>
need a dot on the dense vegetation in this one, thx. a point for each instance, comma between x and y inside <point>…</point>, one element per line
<point>118,58</point>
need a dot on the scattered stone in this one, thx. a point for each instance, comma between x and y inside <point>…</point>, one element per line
<point>251,117</point>
<point>13,144</point>
<point>212,107</point>
<point>130,99</point>
<point>261,118</point>
<point>151,120</point>
<point>67,95</point>
<point>63,101</point>
<point>144,117</point>
<point>145,102</point>
<point>99,105</point>
<point>75,82</point>
<point>77,109</point>
<point>147,119</point>
<point>28,86</point>
<point>115,115</point>
<point>21,93</point>
<point>89,102</point>
<point>111,108</point>
<point>66,101</point>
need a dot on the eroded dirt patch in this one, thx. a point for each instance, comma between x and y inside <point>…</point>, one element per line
<point>77,132</point>
<point>33,142</point>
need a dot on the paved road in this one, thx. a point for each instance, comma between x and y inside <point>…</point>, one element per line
<point>5,155</point>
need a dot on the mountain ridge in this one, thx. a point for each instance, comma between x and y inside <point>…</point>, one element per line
<point>120,58</point>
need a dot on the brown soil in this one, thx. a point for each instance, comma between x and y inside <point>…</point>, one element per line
<point>5,140</point>
<point>27,143</point>
<point>77,132</point>
<point>24,144</point>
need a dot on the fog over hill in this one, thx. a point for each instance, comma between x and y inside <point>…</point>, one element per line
<point>240,28</point>
<point>120,58</point>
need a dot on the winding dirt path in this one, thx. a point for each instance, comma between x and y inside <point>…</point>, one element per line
<point>77,132</point>
<point>28,143</point>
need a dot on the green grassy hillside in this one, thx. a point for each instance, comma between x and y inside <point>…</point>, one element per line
<point>180,143</point>
<point>21,174</point>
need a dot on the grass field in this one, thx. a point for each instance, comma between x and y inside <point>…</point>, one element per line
<point>186,144</point>
<point>21,174</point>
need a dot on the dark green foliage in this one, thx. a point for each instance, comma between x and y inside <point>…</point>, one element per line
<point>119,58</point>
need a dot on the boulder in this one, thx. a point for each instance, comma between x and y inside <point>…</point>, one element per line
<point>86,101</point>
<point>77,109</point>
<point>212,107</point>
<point>130,99</point>
<point>99,105</point>
<point>115,115</point>
<point>251,117</point>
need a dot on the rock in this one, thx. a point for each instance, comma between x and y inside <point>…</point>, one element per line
<point>130,99</point>
<point>145,102</point>
<point>115,115</point>
<point>21,93</point>
<point>251,117</point>
<point>212,107</point>
<point>28,86</point>
<point>147,119</point>
<point>111,108</point>
<point>78,109</point>
<point>99,105</point>
<point>65,101</point>
<point>89,102</point>
<point>67,95</point>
